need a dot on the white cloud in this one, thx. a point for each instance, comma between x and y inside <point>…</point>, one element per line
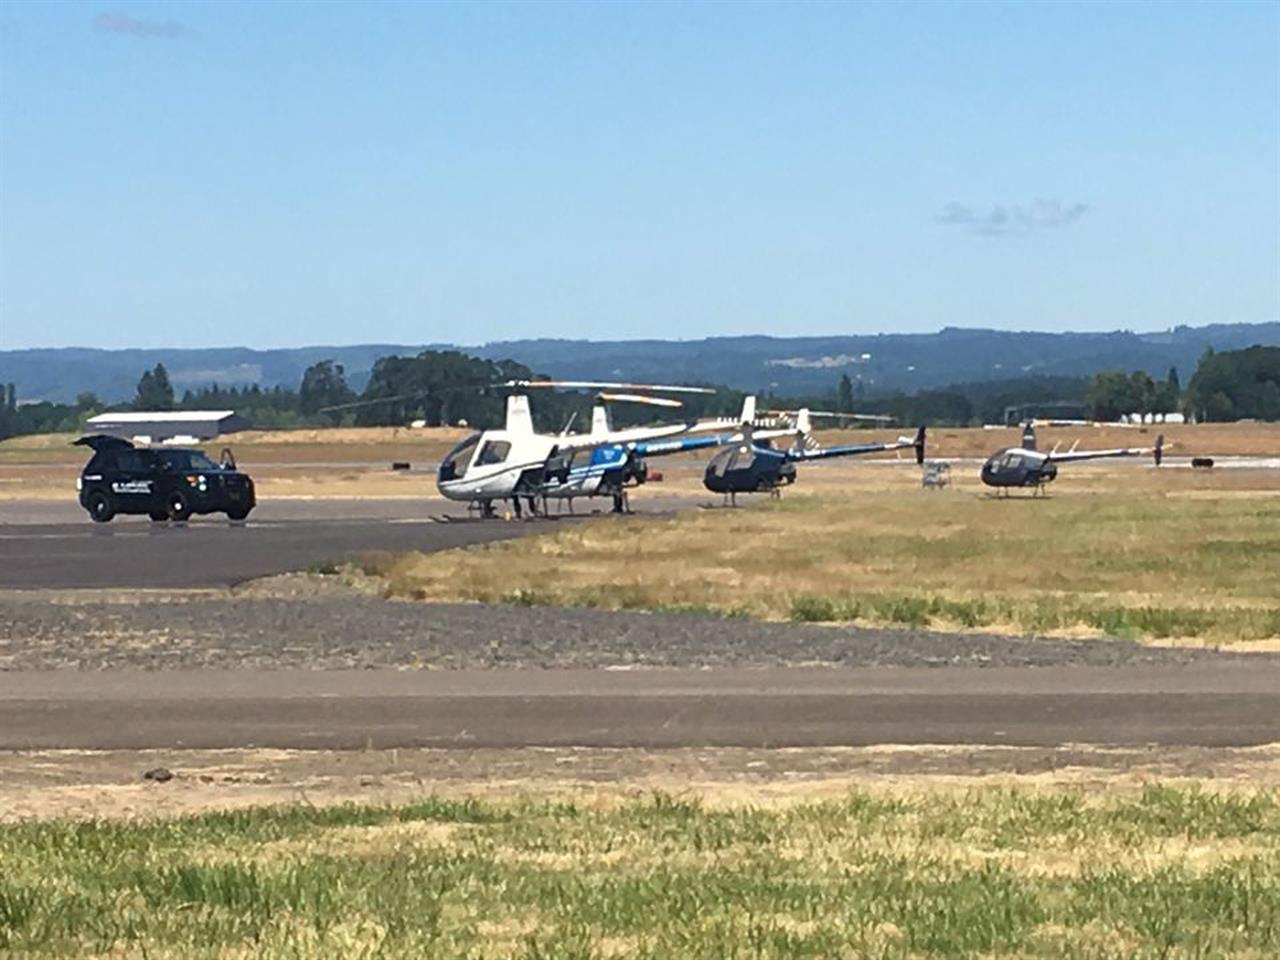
<point>1000,220</point>
<point>122,24</point>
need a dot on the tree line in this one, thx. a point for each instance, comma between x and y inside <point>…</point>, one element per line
<point>449,387</point>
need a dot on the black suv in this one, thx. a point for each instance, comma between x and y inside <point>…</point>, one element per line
<point>165,484</point>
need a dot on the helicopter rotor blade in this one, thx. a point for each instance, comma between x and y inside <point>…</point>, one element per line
<point>355,404</point>
<point>604,385</point>
<point>836,415</point>
<point>528,385</point>
<point>639,398</point>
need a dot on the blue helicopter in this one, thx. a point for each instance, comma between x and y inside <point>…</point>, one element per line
<point>753,465</point>
<point>613,469</point>
<point>1025,466</point>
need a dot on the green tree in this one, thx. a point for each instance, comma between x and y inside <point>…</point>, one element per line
<point>1110,395</point>
<point>8,411</point>
<point>445,386</point>
<point>155,392</point>
<point>1236,384</point>
<point>844,394</point>
<point>1142,393</point>
<point>1168,396</point>
<point>323,385</point>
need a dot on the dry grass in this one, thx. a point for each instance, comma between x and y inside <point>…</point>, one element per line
<point>1163,872</point>
<point>1140,560</point>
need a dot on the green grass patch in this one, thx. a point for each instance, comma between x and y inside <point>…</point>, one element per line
<point>1037,615</point>
<point>1142,566</point>
<point>1167,872</point>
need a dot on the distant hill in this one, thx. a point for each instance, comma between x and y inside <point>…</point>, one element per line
<point>788,365</point>
<point>885,362</point>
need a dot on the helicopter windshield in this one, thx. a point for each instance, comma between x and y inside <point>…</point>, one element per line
<point>734,458</point>
<point>455,464</point>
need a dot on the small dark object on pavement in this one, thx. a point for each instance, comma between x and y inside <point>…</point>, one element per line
<point>158,774</point>
<point>1202,462</point>
<point>400,465</point>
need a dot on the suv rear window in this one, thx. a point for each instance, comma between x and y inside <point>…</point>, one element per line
<point>101,462</point>
<point>131,461</point>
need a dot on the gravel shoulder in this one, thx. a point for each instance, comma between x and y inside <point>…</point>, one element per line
<point>295,622</point>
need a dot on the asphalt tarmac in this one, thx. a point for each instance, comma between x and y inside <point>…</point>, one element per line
<point>1214,704</point>
<point>55,546</point>
<point>1046,695</point>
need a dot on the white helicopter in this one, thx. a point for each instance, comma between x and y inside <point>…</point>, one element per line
<point>513,462</point>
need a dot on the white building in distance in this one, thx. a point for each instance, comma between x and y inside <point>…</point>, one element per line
<point>176,426</point>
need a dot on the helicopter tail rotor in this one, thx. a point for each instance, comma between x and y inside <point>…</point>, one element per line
<point>1029,435</point>
<point>519,416</point>
<point>600,424</point>
<point>805,440</point>
<point>918,444</point>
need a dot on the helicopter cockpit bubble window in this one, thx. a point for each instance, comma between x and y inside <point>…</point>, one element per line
<point>455,464</point>
<point>494,451</point>
<point>1011,461</point>
<point>734,458</point>
<point>720,462</point>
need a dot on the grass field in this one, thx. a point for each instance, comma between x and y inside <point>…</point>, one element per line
<point>1157,555</point>
<point>1017,872</point>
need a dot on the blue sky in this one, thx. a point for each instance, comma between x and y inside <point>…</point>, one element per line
<point>275,174</point>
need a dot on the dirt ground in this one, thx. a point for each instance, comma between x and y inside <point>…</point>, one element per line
<point>110,784</point>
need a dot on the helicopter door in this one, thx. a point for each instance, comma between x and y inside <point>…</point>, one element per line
<point>493,452</point>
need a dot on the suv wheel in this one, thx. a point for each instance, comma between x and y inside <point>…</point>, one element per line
<point>159,516</point>
<point>238,513</point>
<point>178,505</point>
<point>100,507</point>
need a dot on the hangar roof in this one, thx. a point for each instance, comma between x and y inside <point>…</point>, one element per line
<point>167,416</point>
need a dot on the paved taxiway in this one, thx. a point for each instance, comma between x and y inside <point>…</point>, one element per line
<point>1215,704</point>
<point>1201,701</point>
<point>49,545</point>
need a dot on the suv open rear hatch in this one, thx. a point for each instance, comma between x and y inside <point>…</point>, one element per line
<point>100,442</point>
